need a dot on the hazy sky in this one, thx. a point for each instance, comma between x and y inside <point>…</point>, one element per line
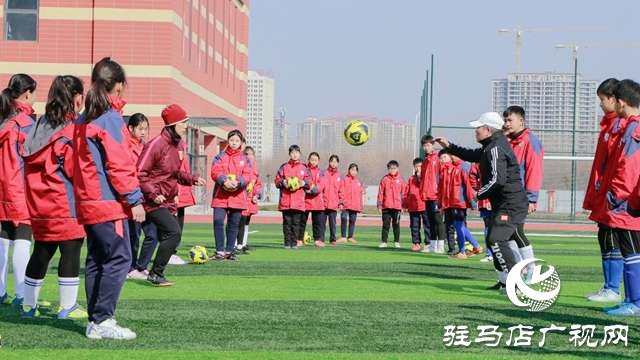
<point>370,56</point>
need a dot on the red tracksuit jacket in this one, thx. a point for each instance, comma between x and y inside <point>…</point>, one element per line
<point>529,152</point>
<point>185,193</point>
<point>621,178</point>
<point>105,182</point>
<point>476,184</point>
<point>352,194</point>
<point>226,163</point>
<point>604,147</point>
<point>13,133</point>
<point>314,201</point>
<point>454,188</point>
<point>252,208</point>
<point>391,192</point>
<point>412,199</point>
<point>333,189</point>
<point>159,172</point>
<point>429,173</point>
<point>48,170</point>
<point>292,200</point>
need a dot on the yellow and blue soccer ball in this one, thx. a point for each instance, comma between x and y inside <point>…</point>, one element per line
<point>356,132</point>
<point>198,255</point>
<point>293,183</point>
<point>249,187</point>
<point>467,246</point>
<point>307,238</point>
<point>229,178</point>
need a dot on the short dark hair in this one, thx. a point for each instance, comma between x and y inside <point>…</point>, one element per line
<point>334,157</point>
<point>353,165</point>
<point>313,153</point>
<point>137,119</point>
<point>427,139</point>
<point>235,132</point>
<point>417,161</point>
<point>606,87</point>
<point>293,148</point>
<point>514,109</point>
<point>392,163</point>
<point>444,152</point>
<point>249,148</point>
<point>628,91</point>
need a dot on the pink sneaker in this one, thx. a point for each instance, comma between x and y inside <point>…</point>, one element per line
<point>416,247</point>
<point>137,275</point>
<point>351,240</point>
<point>145,272</point>
<point>299,243</point>
<point>318,243</point>
<point>341,240</point>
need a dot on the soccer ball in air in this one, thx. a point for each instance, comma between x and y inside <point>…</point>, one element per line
<point>198,255</point>
<point>293,183</point>
<point>307,238</point>
<point>356,132</point>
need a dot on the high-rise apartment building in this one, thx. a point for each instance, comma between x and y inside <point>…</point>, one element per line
<point>548,100</point>
<point>281,135</point>
<point>260,110</point>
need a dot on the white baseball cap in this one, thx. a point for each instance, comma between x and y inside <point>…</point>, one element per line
<point>490,119</point>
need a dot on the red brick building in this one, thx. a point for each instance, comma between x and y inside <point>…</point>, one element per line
<point>190,52</point>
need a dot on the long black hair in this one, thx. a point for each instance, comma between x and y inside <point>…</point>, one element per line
<point>174,135</point>
<point>18,85</point>
<point>60,100</point>
<point>104,77</point>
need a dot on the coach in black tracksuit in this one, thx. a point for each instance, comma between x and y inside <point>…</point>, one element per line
<point>501,185</point>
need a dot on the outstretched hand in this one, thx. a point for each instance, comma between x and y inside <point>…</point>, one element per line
<point>442,141</point>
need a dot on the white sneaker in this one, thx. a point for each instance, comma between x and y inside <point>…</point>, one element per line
<point>135,274</point>
<point>605,295</point>
<point>593,293</point>
<point>176,260</point>
<point>439,250</point>
<point>396,245</point>
<point>425,249</point>
<point>108,329</point>
<point>383,245</point>
<point>487,259</point>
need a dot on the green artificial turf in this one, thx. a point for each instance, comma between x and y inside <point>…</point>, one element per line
<point>351,301</point>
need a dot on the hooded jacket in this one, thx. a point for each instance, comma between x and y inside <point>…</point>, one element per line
<point>333,189</point>
<point>391,192</point>
<point>429,175</point>
<point>412,199</point>
<point>352,194</point>
<point>314,200</point>
<point>292,200</point>
<point>530,153</point>
<point>231,162</point>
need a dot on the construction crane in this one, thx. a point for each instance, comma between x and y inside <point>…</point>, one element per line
<point>519,33</point>
<point>575,46</point>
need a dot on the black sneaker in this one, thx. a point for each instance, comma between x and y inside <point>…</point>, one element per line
<point>498,286</point>
<point>231,257</point>
<point>240,252</point>
<point>157,280</point>
<point>217,256</point>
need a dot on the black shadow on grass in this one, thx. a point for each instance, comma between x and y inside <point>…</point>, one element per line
<point>48,318</point>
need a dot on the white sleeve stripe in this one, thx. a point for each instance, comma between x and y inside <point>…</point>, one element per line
<point>494,171</point>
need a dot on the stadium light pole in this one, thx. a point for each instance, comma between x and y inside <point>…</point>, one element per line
<point>415,136</point>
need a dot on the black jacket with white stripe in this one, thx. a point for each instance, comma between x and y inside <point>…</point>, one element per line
<point>500,174</point>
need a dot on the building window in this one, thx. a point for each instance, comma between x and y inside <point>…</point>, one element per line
<point>21,20</point>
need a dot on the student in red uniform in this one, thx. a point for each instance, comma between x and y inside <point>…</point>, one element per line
<point>15,108</point>
<point>484,206</point>
<point>314,201</point>
<point>455,196</point>
<point>429,173</point>
<point>352,203</point>
<point>159,175</point>
<point>254,193</point>
<point>416,207</point>
<point>612,263</point>
<point>185,198</point>
<point>138,125</point>
<point>48,168</point>
<point>391,202</point>
<point>292,199</point>
<point>333,194</point>
<point>231,170</point>
<point>105,187</point>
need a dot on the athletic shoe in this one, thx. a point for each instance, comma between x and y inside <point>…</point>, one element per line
<point>498,286</point>
<point>5,299</point>
<point>287,247</point>
<point>217,256</point>
<point>487,259</point>
<point>39,303</point>
<point>439,250</point>
<point>351,239</point>
<point>593,293</point>
<point>426,249</point>
<point>609,308</point>
<point>628,309</point>
<point>605,295</point>
<point>145,272</point>
<point>416,247</point>
<point>477,251</point>
<point>135,274</point>
<point>158,280</point>
<point>299,243</point>
<point>27,312</point>
<point>458,256</point>
<point>294,247</point>
<point>318,243</point>
<point>396,245</point>
<point>383,245</point>
<point>232,257</point>
<point>242,251</point>
<point>341,239</point>
<point>75,312</point>
<point>332,243</point>
<point>108,329</point>
<point>176,260</point>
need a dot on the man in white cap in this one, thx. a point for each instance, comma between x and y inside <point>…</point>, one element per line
<point>501,185</point>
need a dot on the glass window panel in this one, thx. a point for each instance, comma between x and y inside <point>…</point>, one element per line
<point>22,4</point>
<point>21,26</point>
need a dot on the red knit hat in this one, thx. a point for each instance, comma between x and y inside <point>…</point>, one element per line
<point>173,114</point>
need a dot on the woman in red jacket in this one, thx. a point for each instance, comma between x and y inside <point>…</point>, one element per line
<point>159,174</point>
<point>254,193</point>
<point>15,107</point>
<point>105,187</point>
<point>313,202</point>
<point>231,170</point>
<point>48,168</point>
<point>292,179</point>
<point>352,203</point>
<point>333,194</point>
